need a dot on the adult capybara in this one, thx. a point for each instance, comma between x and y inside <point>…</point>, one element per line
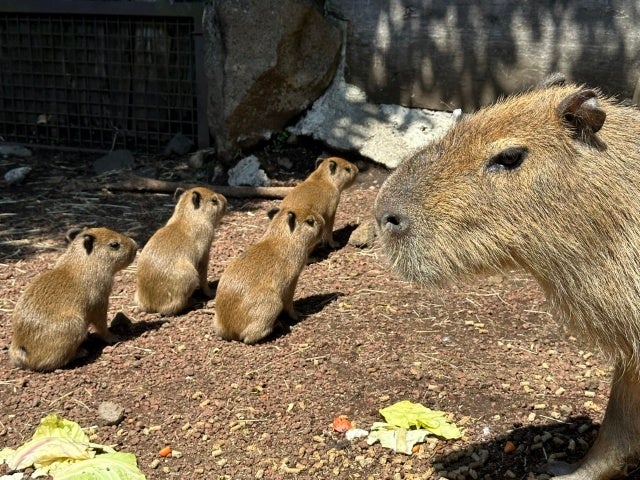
<point>52,316</point>
<point>548,180</point>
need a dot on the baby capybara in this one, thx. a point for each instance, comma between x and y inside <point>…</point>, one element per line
<point>53,314</point>
<point>259,284</point>
<point>175,260</point>
<point>321,192</point>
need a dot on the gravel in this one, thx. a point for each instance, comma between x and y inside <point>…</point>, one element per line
<point>487,352</point>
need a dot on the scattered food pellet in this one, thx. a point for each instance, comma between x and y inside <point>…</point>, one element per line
<point>216,453</point>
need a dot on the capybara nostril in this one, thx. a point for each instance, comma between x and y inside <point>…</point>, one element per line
<point>395,223</point>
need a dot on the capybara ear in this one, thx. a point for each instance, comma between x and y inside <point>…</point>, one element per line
<point>291,220</point>
<point>582,112</point>
<point>87,242</point>
<point>554,79</point>
<point>273,212</point>
<point>333,166</point>
<point>72,233</point>
<point>178,193</point>
<point>196,199</point>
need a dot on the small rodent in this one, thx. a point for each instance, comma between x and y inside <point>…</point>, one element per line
<point>548,181</point>
<point>175,260</point>
<point>259,284</point>
<point>321,190</point>
<point>51,318</point>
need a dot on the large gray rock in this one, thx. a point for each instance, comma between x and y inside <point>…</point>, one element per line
<point>266,61</point>
<point>463,53</point>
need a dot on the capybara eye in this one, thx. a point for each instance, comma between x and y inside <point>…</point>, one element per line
<point>114,245</point>
<point>348,169</point>
<point>214,200</point>
<point>311,221</point>
<point>508,159</point>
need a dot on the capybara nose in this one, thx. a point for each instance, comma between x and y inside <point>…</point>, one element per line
<point>395,223</point>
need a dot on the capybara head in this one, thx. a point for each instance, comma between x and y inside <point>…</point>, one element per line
<point>541,180</point>
<point>100,247</point>
<point>298,224</point>
<point>341,172</point>
<point>200,202</point>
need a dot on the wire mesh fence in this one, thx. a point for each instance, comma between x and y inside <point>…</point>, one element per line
<point>98,81</point>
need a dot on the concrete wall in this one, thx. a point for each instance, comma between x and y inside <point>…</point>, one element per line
<point>445,54</point>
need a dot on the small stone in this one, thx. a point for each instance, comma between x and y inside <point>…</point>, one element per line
<point>285,163</point>
<point>201,157</point>
<point>16,175</point>
<point>196,160</point>
<point>14,151</point>
<point>363,236</point>
<point>111,413</point>
<point>179,144</point>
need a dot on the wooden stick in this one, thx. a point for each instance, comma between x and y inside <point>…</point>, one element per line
<point>136,183</point>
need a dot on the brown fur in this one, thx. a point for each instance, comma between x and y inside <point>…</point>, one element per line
<point>52,316</point>
<point>569,213</point>
<point>321,192</point>
<point>175,260</point>
<point>260,283</point>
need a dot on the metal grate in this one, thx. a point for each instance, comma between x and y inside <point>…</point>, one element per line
<point>98,81</point>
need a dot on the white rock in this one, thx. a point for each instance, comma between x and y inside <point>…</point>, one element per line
<point>248,172</point>
<point>16,175</point>
<point>354,433</point>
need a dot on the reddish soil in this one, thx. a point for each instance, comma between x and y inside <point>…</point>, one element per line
<point>487,352</point>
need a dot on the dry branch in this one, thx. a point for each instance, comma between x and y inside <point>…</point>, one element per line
<point>136,183</point>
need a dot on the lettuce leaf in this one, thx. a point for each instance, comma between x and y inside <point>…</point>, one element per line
<point>406,414</point>
<point>60,448</point>
<point>108,466</point>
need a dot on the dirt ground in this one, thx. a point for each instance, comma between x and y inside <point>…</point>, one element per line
<point>488,352</point>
